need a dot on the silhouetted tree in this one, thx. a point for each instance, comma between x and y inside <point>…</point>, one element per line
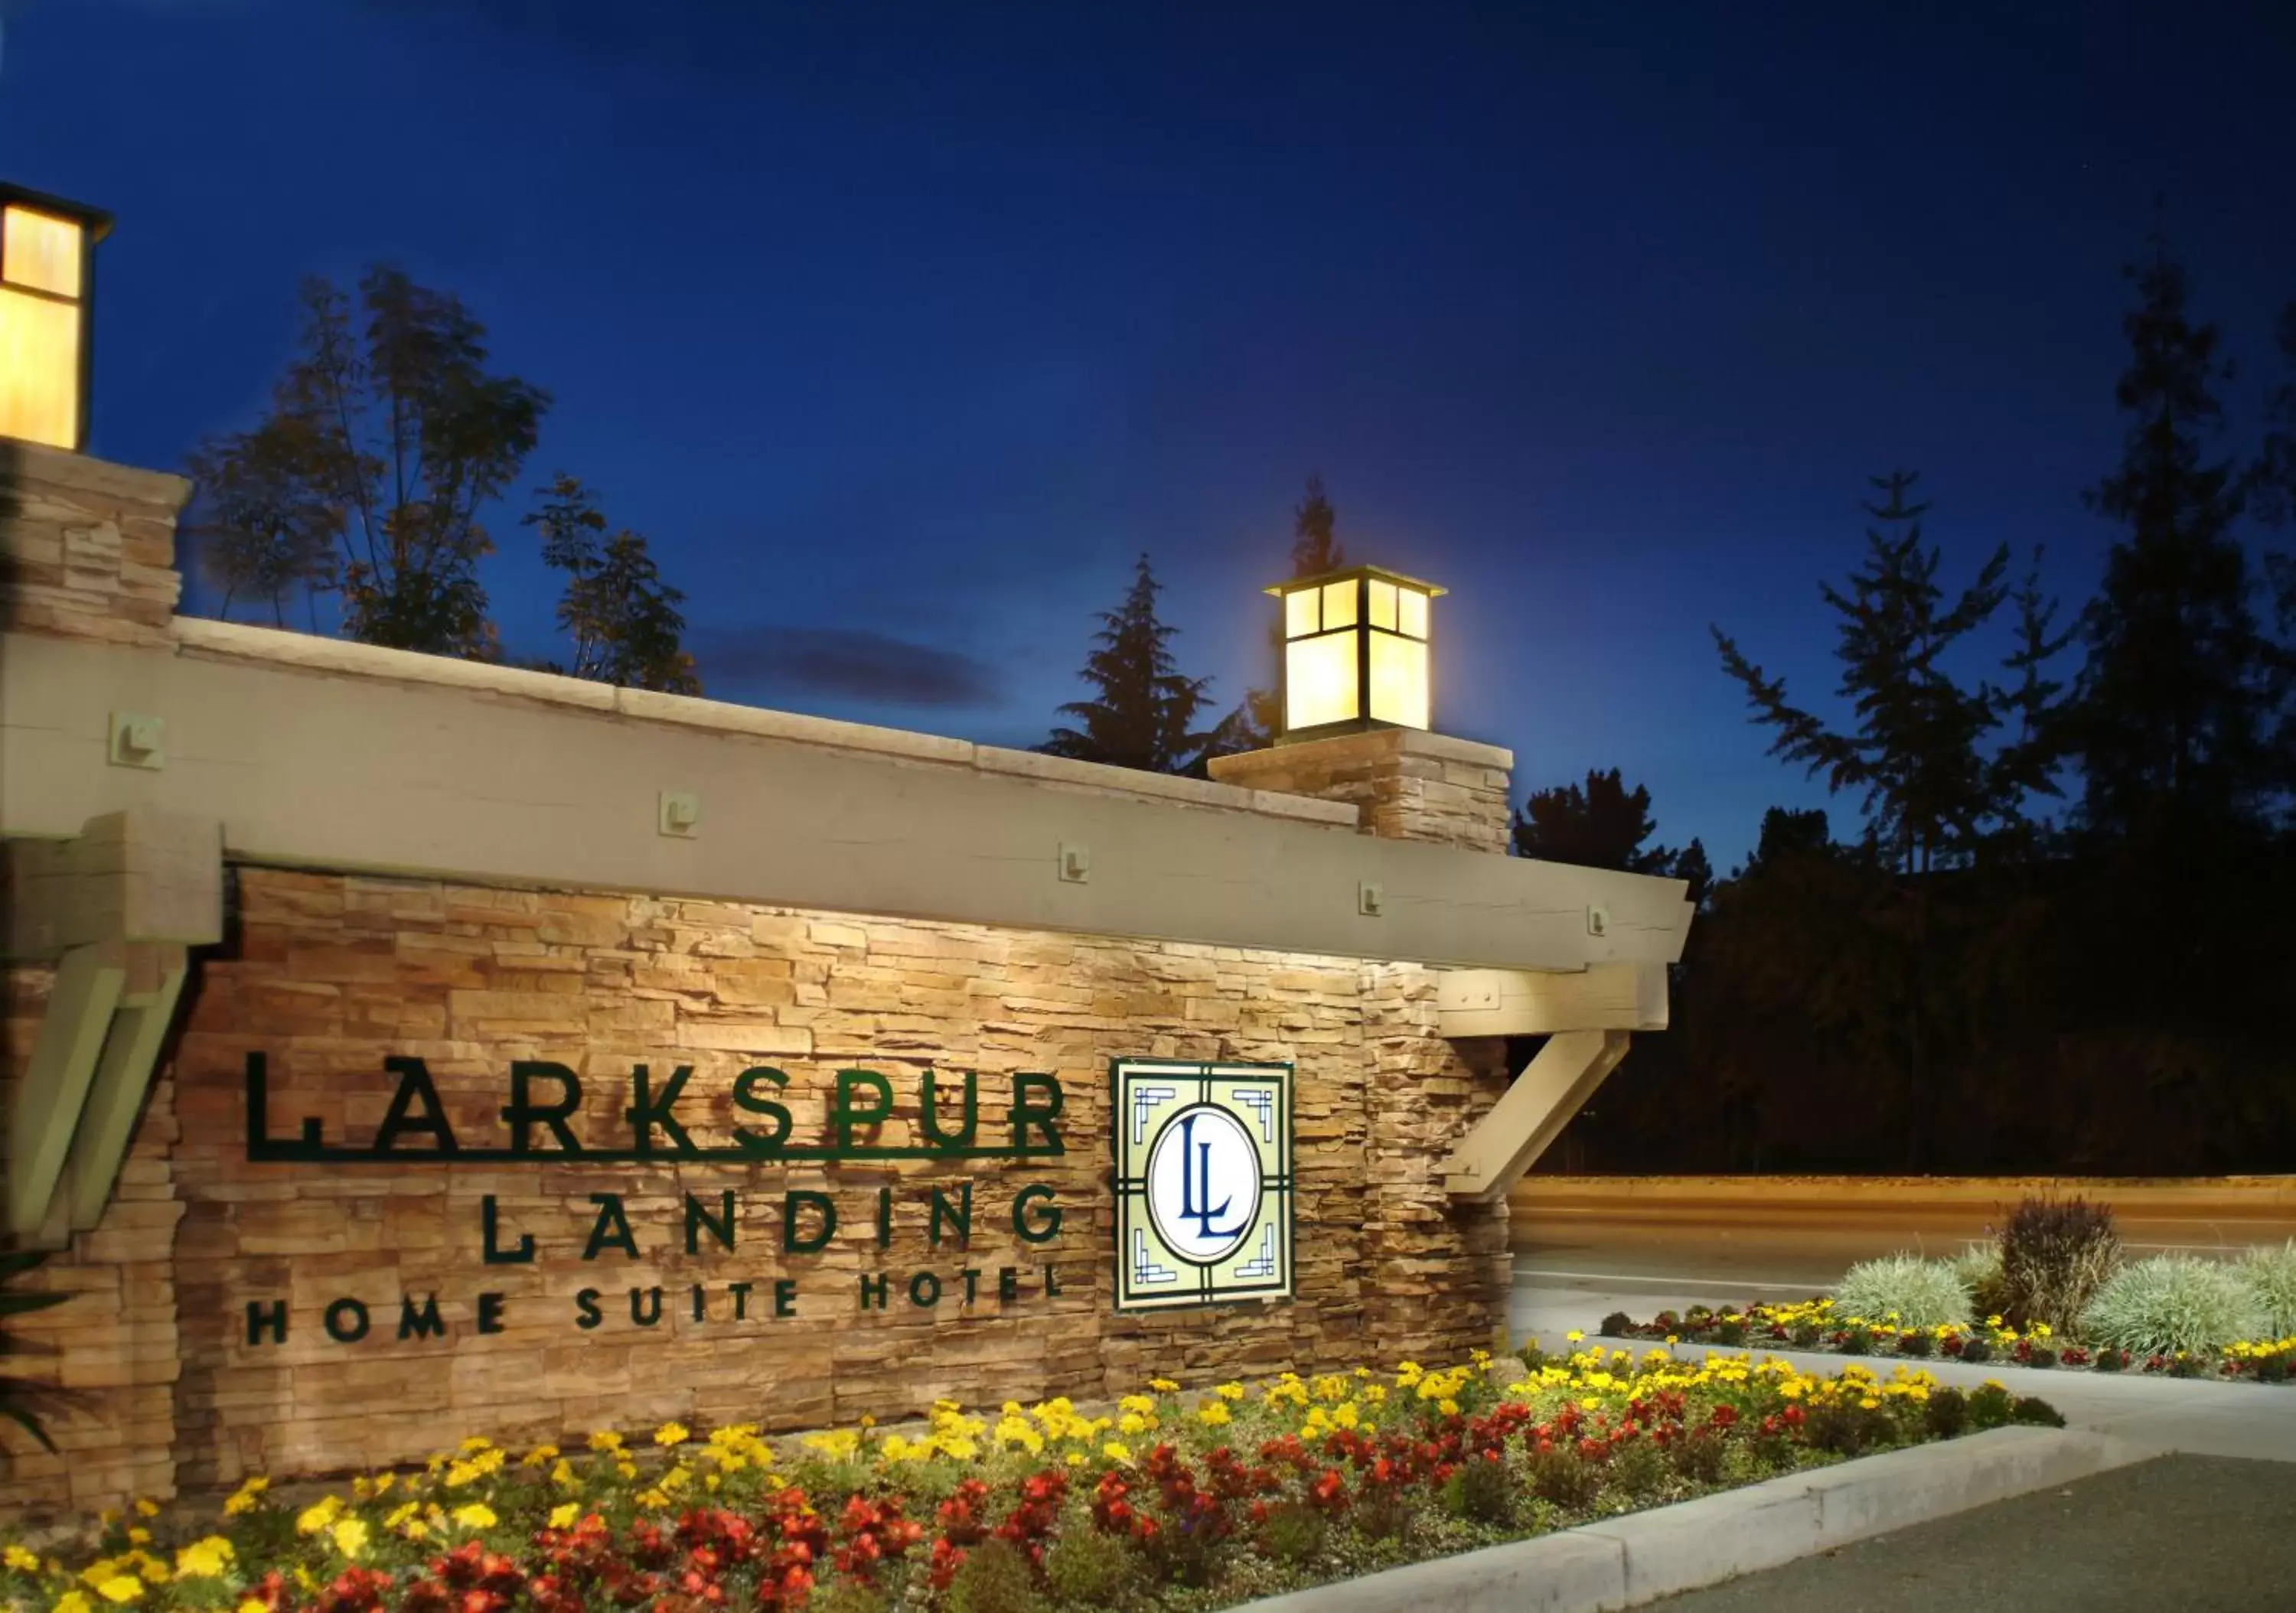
<point>382,445</point>
<point>2174,717</point>
<point>623,618</point>
<point>1253,725</point>
<point>1315,545</point>
<point>1145,714</point>
<point>1601,825</point>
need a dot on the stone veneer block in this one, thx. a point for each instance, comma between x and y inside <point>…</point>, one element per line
<point>1408,784</point>
<point>87,548</point>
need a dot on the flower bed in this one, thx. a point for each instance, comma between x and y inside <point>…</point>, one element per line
<point>1168,1502</point>
<point>1815,1325</point>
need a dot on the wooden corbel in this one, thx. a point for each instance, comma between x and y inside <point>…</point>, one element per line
<point>117,909</point>
<point>1588,1016</point>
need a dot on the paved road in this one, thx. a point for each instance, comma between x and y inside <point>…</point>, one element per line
<point>2187,1534</point>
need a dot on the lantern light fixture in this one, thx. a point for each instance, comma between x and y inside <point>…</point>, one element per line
<point>1355,652</point>
<point>47,275</point>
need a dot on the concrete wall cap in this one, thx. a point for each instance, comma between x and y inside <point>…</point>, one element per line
<point>1400,741</point>
<point>28,461</point>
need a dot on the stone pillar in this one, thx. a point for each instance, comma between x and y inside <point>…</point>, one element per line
<point>1439,1272</point>
<point>87,549</point>
<point>1410,784</point>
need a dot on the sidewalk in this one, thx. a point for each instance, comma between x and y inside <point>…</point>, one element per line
<point>2191,1534</point>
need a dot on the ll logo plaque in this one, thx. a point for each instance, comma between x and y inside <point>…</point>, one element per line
<point>1204,1183</point>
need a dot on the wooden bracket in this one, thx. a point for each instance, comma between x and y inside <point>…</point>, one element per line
<point>1532,1113</point>
<point>119,909</point>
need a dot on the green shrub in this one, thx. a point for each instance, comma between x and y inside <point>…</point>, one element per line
<point>1916,1344</point>
<point>1848,1428</point>
<point>1481,1490</point>
<point>846,1596</point>
<point>1699,1456</point>
<point>1805,1334</point>
<point>994,1578</point>
<point>2170,1303</point>
<point>2272,1368</point>
<point>1638,1470</point>
<point>1946,1412</point>
<point>2110,1360</point>
<point>1563,1478</point>
<point>2040,1355</point>
<point>1089,1566</point>
<point>1975,1350</point>
<point>1294,1533</point>
<point>2032,1409</point>
<point>1732,1332</point>
<point>2055,1254</point>
<point>1618,1324</point>
<point>1978,1269</point>
<point>1990,1406</point>
<point>1857,1341</point>
<point>2270,1276</point>
<point>1924,1293</point>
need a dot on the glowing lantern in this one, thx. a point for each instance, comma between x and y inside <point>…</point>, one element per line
<point>1355,653</point>
<point>47,271</point>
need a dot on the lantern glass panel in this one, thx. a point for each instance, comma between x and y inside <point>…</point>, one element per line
<point>1398,680</point>
<point>40,251</point>
<point>1382,604</point>
<point>1339,604</point>
<point>40,369</point>
<point>1319,680</point>
<point>1411,612</point>
<point>1300,612</point>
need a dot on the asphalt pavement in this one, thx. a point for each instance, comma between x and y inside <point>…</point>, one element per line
<point>2208,1525</point>
<point>2176,1534</point>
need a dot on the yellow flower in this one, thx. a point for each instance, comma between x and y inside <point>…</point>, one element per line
<point>563,1474</point>
<point>478,1515</point>
<point>1214,1413</point>
<point>15,1557</point>
<point>671,1433</point>
<point>1573,1337</point>
<point>1869,1404</point>
<point>204,1558</point>
<point>1076,1459</point>
<point>605,1442</point>
<point>1132,1422</point>
<point>314,1519</point>
<point>626,1471</point>
<point>1163,1386</point>
<point>72,1601</point>
<point>350,1536</point>
<point>1229,1391</point>
<point>652,1500</point>
<point>252,1606</point>
<point>1449,1408</point>
<point>120,1588</point>
<point>562,1516</point>
<point>242,1500</point>
<point>1115,1452</point>
<point>148,1509</point>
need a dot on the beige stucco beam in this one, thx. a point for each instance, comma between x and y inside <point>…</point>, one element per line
<point>302,768</point>
<point>1524,1003</point>
<point>142,873</point>
<point>1531,1113</point>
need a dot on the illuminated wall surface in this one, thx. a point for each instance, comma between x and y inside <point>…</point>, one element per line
<point>524,1152</point>
<point>41,279</point>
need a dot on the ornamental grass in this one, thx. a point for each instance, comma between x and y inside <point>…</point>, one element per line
<point>1165,1501</point>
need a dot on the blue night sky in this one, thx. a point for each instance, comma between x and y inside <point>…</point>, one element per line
<point>901,330</point>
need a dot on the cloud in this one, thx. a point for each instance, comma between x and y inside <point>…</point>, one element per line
<point>850,662</point>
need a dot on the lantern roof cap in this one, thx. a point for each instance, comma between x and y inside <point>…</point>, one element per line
<point>1380,572</point>
<point>94,220</point>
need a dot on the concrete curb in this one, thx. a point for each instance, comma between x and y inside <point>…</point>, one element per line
<point>1642,1556</point>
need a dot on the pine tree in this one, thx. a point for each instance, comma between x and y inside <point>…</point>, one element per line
<point>1922,752</point>
<point>1145,713</point>
<point>2174,713</point>
<point>1314,550</point>
<point>1917,751</point>
<point>1315,547</point>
